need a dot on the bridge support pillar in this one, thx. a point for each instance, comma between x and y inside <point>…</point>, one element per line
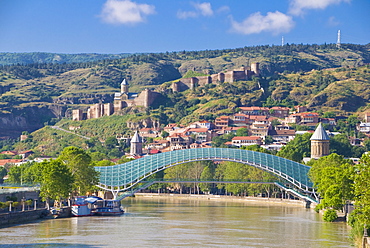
<point>307,204</point>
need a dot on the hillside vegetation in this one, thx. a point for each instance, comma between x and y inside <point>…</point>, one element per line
<point>322,77</point>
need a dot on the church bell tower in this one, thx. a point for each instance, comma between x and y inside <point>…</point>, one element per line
<point>319,143</point>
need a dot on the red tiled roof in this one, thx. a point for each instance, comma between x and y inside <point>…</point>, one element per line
<point>9,161</point>
<point>9,152</point>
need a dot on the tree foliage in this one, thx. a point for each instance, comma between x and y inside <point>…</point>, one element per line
<point>332,177</point>
<point>81,167</point>
<point>57,180</point>
<point>297,149</point>
<point>362,191</point>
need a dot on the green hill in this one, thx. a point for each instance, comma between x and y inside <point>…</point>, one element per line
<point>322,77</point>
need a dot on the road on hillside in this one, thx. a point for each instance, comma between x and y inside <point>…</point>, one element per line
<point>61,129</point>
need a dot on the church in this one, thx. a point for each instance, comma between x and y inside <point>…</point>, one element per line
<point>122,99</point>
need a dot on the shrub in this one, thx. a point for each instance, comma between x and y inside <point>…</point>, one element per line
<point>318,207</point>
<point>330,215</point>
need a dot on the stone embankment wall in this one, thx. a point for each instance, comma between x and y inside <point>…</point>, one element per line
<point>252,200</point>
<point>21,217</point>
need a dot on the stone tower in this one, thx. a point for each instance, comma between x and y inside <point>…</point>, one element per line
<point>136,145</point>
<point>124,87</point>
<point>319,143</point>
<point>255,67</point>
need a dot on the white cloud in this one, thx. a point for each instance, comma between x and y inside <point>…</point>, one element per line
<point>297,7</point>
<point>186,14</point>
<point>223,9</point>
<point>204,8</point>
<point>274,22</point>
<point>201,9</point>
<point>125,12</point>
<point>333,21</point>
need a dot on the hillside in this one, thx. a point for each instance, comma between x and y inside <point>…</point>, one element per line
<point>59,58</point>
<point>320,76</point>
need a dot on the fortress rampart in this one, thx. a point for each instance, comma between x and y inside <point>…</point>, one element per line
<point>228,77</point>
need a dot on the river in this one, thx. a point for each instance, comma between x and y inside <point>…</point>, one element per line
<point>172,222</point>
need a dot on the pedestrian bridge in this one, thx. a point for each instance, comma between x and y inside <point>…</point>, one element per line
<point>124,176</point>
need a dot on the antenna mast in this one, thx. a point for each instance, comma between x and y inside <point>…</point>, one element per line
<point>338,40</point>
<point>282,40</point>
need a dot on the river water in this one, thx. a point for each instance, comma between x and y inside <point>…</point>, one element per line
<point>173,222</point>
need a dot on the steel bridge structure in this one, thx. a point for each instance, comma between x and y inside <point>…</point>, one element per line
<point>123,177</point>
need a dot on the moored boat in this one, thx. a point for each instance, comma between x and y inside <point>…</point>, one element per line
<point>108,208</point>
<point>80,207</point>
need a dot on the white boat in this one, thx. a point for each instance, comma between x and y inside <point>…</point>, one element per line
<point>81,207</point>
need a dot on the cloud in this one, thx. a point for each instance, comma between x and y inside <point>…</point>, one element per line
<point>223,9</point>
<point>332,22</point>
<point>274,22</point>
<point>201,9</point>
<point>125,12</point>
<point>297,7</point>
<point>204,8</point>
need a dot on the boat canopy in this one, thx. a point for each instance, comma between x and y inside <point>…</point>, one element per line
<point>93,199</point>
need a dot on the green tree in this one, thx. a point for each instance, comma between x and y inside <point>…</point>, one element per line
<point>3,173</point>
<point>235,172</point>
<point>111,142</point>
<point>257,148</point>
<point>219,141</point>
<point>177,172</point>
<point>104,163</point>
<point>329,115</point>
<point>207,174</point>
<point>242,132</point>
<point>164,134</point>
<point>269,139</point>
<point>340,144</point>
<point>332,176</point>
<point>362,191</point>
<point>97,156</point>
<point>14,175</point>
<point>81,167</point>
<point>297,149</point>
<point>57,180</point>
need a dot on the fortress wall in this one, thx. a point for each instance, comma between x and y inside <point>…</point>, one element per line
<point>215,78</point>
<point>118,105</point>
<point>240,75</point>
<point>255,68</point>
<point>145,98</point>
<point>204,80</point>
<point>77,114</point>
<point>229,77</point>
<point>108,109</point>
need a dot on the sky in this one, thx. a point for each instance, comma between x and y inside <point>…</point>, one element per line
<point>140,26</point>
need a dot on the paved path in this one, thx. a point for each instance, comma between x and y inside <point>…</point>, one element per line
<point>67,131</point>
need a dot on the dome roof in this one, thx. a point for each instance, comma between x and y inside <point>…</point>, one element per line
<point>320,133</point>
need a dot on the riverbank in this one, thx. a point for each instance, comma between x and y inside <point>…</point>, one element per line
<point>225,198</point>
<point>21,217</point>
